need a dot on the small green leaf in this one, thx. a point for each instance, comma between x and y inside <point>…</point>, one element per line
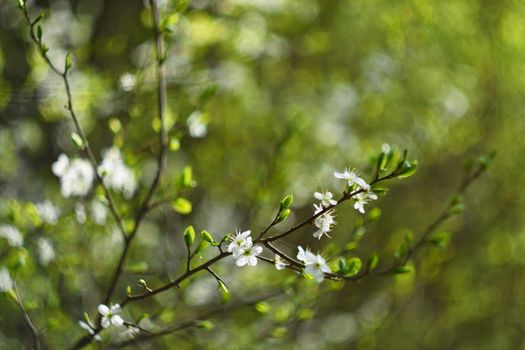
<point>189,236</point>
<point>202,245</point>
<point>407,169</point>
<point>354,265</point>
<point>457,209</point>
<point>372,262</point>
<point>182,205</point>
<point>67,65</point>
<point>225,292</point>
<point>128,290</point>
<point>39,32</point>
<point>263,307</point>
<point>283,215</point>
<point>206,325</point>
<point>174,144</point>
<point>77,140</point>
<point>138,267</point>
<point>286,202</point>
<point>440,239</point>
<point>21,4</point>
<point>206,236</point>
<point>187,177</point>
<point>343,268</point>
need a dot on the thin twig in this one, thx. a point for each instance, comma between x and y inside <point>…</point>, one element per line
<point>27,319</point>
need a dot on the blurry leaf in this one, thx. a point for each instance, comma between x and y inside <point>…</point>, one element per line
<point>354,266</point>
<point>372,262</point>
<point>189,236</point>
<point>182,205</point>
<point>137,267</point>
<point>77,140</point>
<point>174,144</point>
<point>225,292</point>
<point>440,239</point>
<point>403,269</point>
<point>263,307</point>
<point>374,214</point>
<point>206,325</point>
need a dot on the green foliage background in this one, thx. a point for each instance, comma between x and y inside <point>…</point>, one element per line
<point>292,90</point>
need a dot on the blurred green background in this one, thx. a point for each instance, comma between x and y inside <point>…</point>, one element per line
<point>292,90</point>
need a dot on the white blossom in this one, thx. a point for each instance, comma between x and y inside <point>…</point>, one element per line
<point>279,262</point>
<point>352,178</point>
<point>115,174</point>
<point>130,332</point>
<point>99,212</point>
<point>48,212</point>
<point>240,240</point>
<point>80,213</point>
<point>197,126</point>
<point>46,253</point>
<point>127,81</point>
<point>323,222</point>
<point>6,283</point>
<point>326,198</point>
<point>363,198</point>
<point>248,255</point>
<point>315,265</point>
<point>76,176</point>
<point>109,315</point>
<point>90,329</point>
<point>12,235</point>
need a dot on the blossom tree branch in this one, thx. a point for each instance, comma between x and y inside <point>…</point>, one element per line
<point>27,319</point>
<point>36,37</point>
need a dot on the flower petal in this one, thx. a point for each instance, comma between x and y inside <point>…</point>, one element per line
<point>103,310</point>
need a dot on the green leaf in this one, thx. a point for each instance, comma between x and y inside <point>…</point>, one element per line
<point>283,215</point>
<point>174,144</point>
<point>202,245</point>
<point>67,64</point>
<point>21,4</point>
<point>206,236</point>
<point>187,177</point>
<point>182,205</point>
<point>407,169</point>
<point>286,202</point>
<point>457,209</point>
<point>353,266</point>
<point>206,325</point>
<point>225,292</point>
<point>39,32</point>
<point>440,239</point>
<point>374,214</point>
<point>372,262</point>
<point>138,267</point>
<point>263,307</point>
<point>189,236</point>
<point>343,268</point>
<point>77,140</point>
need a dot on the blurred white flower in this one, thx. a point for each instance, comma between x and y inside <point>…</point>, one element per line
<point>12,235</point>
<point>48,212</point>
<point>90,329</point>
<point>197,126</point>
<point>305,255</point>
<point>248,255</point>
<point>326,198</point>
<point>46,253</point>
<point>115,174</point>
<point>76,176</point>
<point>240,240</point>
<point>127,81</point>
<point>109,315</point>
<point>99,212</point>
<point>130,332</point>
<point>363,198</point>
<point>352,178</point>
<point>80,213</point>
<point>6,283</point>
<point>279,262</point>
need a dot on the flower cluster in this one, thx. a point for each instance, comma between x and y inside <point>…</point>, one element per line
<point>115,174</point>
<point>12,235</point>
<point>76,176</point>
<point>48,212</point>
<point>243,250</point>
<point>323,222</point>
<point>110,315</point>
<point>315,265</point>
<point>354,181</point>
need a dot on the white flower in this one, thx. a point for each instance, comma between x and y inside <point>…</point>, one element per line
<point>363,198</point>
<point>315,265</point>
<point>240,240</point>
<point>305,255</point>
<point>130,332</point>
<point>6,283</point>
<point>323,222</point>
<point>317,268</point>
<point>352,178</point>
<point>115,174</point>
<point>80,213</point>
<point>76,176</point>
<point>48,212</point>
<point>99,212</point>
<point>127,81</point>
<point>91,329</point>
<point>12,235</point>
<point>60,165</point>
<point>248,255</point>
<point>46,252</point>
<point>109,315</point>
<point>279,262</point>
<point>326,198</point>
<point>197,124</point>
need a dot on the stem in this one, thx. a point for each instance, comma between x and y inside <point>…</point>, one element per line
<point>27,319</point>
